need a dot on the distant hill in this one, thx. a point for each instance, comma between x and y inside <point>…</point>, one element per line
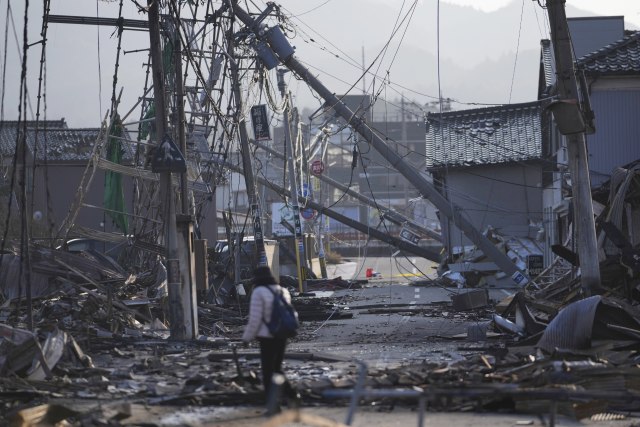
<point>477,50</point>
<point>477,54</point>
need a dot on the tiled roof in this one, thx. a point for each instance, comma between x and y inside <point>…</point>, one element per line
<point>547,65</point>
<point>8,133</point>
<point>62,143</point>
<point>70,144</point>
<point>618,58</point>
<point>49,124</point>
<point>484,136</point>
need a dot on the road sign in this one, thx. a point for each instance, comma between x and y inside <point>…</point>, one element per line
<point>286,212</point>
<point>305,191</point>
<point>409,236</point>
<point>308,213</point>
<point>168,158</point>
<point>317,167</point>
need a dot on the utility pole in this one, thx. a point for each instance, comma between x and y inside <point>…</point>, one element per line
<point>249,179</point>
<point>184,222</point>
<point>293,198</point>
<point>570,119</point>
<point>176,312</point>
<point>281,47</point>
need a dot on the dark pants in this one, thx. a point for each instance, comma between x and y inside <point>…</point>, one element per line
<point>271,355</point>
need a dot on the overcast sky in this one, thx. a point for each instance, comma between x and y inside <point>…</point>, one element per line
<point>629,8</point>
<point>80,59</point>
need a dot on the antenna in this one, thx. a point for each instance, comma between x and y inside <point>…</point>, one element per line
<point>364,77</point>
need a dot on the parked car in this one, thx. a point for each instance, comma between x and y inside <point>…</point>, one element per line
<point>82,244</point>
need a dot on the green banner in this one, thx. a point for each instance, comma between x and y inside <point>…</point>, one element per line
<point>113,191</point>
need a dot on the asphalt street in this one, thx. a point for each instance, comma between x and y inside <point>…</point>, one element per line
<point>389,339</point>
<point>385,340</point>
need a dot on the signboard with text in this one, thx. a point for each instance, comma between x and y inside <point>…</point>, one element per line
<point>260,123</point>
<point>535,264</point>
<point>281,212</point>
<point>409,236</point>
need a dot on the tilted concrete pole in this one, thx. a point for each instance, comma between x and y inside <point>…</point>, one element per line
<point>176,312</point>
<point>587,242</point>
<point>396,161</point>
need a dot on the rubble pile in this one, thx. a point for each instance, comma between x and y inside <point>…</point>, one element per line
<point>99,352</point>
<point>100,336</point>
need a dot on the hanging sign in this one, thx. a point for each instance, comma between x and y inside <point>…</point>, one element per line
<point>409,236</point>
<point>260,122</point>
<point>317,167</point>
<point>258,235</point>
<point>297,225</point>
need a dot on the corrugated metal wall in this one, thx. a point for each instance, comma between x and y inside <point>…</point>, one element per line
<point>617,138</point>
<point>589,34</point>
<point>506,197</point>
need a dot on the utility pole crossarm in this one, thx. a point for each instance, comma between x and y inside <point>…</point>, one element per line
<point>93,20</point>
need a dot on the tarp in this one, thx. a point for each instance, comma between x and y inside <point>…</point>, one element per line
<point>113,191</point>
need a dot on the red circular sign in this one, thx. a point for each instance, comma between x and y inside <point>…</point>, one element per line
<point>317,167</point>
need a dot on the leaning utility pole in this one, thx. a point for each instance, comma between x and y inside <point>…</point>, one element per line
<point>176,312</point>
<point>284,52</point>
<point>249,180</point>
<point>570,119</point>
<point>297,224</point>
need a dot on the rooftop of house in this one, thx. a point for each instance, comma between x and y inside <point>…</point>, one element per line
<point>484,136</point>
<point>55,138</point>
<point>619,58</point>
<point>547,67</point>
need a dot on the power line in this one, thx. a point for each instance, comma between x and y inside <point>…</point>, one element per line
<point>311,10</point>
<point>515,62</point>
<point>99,59</point>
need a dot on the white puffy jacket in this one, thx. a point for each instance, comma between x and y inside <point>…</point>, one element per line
<point>260,311</point>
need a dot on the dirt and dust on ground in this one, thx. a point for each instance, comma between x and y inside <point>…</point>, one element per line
<point>100,355</point>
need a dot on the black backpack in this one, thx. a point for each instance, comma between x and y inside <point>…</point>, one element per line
<point>284,319</point>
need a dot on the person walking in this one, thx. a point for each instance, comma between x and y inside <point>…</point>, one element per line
<point>265,290</point>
